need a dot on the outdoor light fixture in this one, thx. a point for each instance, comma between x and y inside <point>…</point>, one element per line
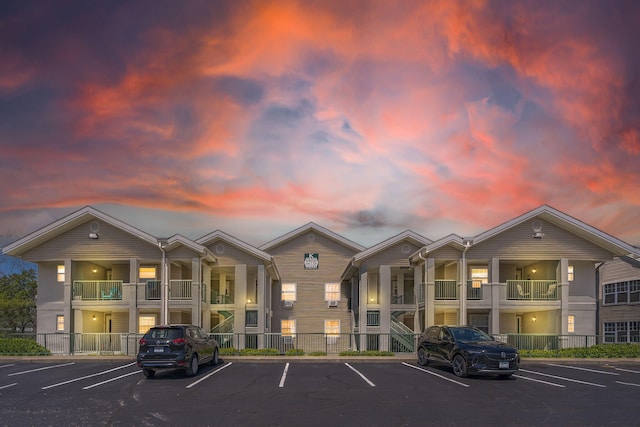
<point>94,235</point>
<point>94,317</point>
<point>95,270</point>
<point>249,301</point>
<point>534,271</point>
<point>533,319</point>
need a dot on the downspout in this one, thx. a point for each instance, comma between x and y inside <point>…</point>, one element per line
<point>598,300</point>
<point>463,304</point>
<point>164,314</point>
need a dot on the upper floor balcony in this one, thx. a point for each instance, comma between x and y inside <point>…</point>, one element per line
<point>516,290</point>
<point>97,290</point>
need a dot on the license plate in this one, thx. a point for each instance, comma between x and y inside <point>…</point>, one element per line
<point>504,365</point>
<point>161,350</point>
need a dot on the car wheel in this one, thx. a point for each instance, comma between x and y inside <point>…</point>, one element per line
<point>149,373</point>
<point>423,357</point>
<point>193,366</point>
<point>459,366</point>
<point>214,359</point>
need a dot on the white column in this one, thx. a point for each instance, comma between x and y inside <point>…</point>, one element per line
<point>462,291</point>
<point>384,300</point>
<point>494,279</point>
<point>240,296</point>
<point>430,292</point>
<point>364,301</point>
<point>132,294</point>
<point>261,301</point>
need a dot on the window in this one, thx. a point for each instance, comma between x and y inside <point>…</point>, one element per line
<point>622,293</point>
<point>571,323</point>
<point>570,273</point>
<point>61,274</point>
<point>147,272</point>
<point>332,330</point>
<point>479,277</point>
<point>60,323</point>
<point>480,321</point>
<point>288,292</point>
<point>288,328</point>
<point>619,332</point>
<point>332,291</point>
<point>145,322</point>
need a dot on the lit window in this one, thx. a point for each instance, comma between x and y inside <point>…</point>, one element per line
<point>288,292</point>
<point>479,276</point>
<point>332,291</point>
<point>61,273</point>
<point>571,324</point>
<point>288,328</point>
<point>147,272</point>
<point>570,273</point>
<point>60,323</point>
<point>145,322</point>
<point>332,327</point>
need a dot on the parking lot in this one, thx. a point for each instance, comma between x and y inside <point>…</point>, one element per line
<point>281,393</point>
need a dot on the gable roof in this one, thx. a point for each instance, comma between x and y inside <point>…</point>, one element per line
<point>67,223</point>
<point>318,229</point>
<point>221,235</point>
<point>180,240</point>
<point>566,222</point>
<point>405,235</point>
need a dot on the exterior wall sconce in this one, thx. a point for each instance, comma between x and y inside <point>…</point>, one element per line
<point>95,270</point>
<point>94,317</point>
<point>533,319</point>
<point>249,301</point>
<point>533,271</point>
<point>94,235</point>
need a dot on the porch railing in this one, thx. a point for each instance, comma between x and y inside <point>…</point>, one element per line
<point>97,290</point>
<point>179,289</point>
<point>446,290</point>
<point>532,290</point>
<point>153,290</point>
<point>218,298</point>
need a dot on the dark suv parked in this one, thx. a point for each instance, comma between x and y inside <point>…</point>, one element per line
<point>176,347</point>
<point>467,350</point>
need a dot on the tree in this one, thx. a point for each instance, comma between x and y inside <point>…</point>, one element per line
<point>18,301</point>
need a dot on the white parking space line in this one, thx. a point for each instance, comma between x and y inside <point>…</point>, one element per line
<point>631,384</point>
<point>627,370</point>
<point>361,375</point>
<point>563,378</point>
<point>433,373</point>
<point>42,369</point>
<point>583,369</point>
<point>7,386</point>
<point>87,376</point>
<point>539,381</point>
<point>6,366</point>
<point>209,374</point>
<point>111,380</point>
<point>284,375</point>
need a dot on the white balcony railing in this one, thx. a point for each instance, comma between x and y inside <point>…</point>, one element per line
<point>97,290</point>
<point>532,290</point>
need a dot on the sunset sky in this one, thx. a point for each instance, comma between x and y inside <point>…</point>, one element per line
<point>366,117</point>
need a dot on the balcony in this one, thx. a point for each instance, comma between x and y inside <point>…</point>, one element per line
<point>446,290</point>
<point>97,290</point>
<point>532,290</point>
<point>179,290</point>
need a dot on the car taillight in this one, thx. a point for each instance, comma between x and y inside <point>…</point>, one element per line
<point>179,341</point>
<point>142,341</point>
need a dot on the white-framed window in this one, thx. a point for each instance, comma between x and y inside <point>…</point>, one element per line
<point>60,323</point>
<point>571,323</point>
<point>332,291</point>
<point>147,273</point>
<point>332,328</point>
<point>618,332</point>
<point>145,322</point>
<point>622,292</point>
<point>479,276</point>
<point>288,292</point>
<point>288,327</point>
<point>480,321</point>
<point>570,274</point>
<point>61,273</point>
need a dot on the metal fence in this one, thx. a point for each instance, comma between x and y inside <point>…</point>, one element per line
<point>308,343</point>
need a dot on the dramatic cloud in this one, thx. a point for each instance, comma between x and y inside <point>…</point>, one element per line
<point>367,117</point>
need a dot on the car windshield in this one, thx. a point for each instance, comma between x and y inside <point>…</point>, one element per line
<point>467,334</point>
<point>164,333</point>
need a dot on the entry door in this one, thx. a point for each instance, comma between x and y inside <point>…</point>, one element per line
<point>107,323</point>
<point>519,324</point>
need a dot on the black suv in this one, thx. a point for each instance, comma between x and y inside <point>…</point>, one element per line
<point>467,350</point>
<point>176,347</point>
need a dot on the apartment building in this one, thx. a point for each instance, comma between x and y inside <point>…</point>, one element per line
<point>536,273</point>
<point>619,297</point>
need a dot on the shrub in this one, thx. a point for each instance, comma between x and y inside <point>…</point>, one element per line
<point>366,353</point>
<point>22,347</point>
<point>259,352</point>
<point>228,351</point>
<point>317,353</point>
<point>295,352</point>
<point>595,351</point>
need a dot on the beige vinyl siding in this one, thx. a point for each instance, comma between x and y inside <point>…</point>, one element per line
<point>517,244</point>
<point>396,255</point>
<point>114,244</point>
<point>618,271</point>
<point>446,253</point>
<point>119,322</point>
<point>310,310</point>
<point>228,254</point>
<point>49,289</point>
